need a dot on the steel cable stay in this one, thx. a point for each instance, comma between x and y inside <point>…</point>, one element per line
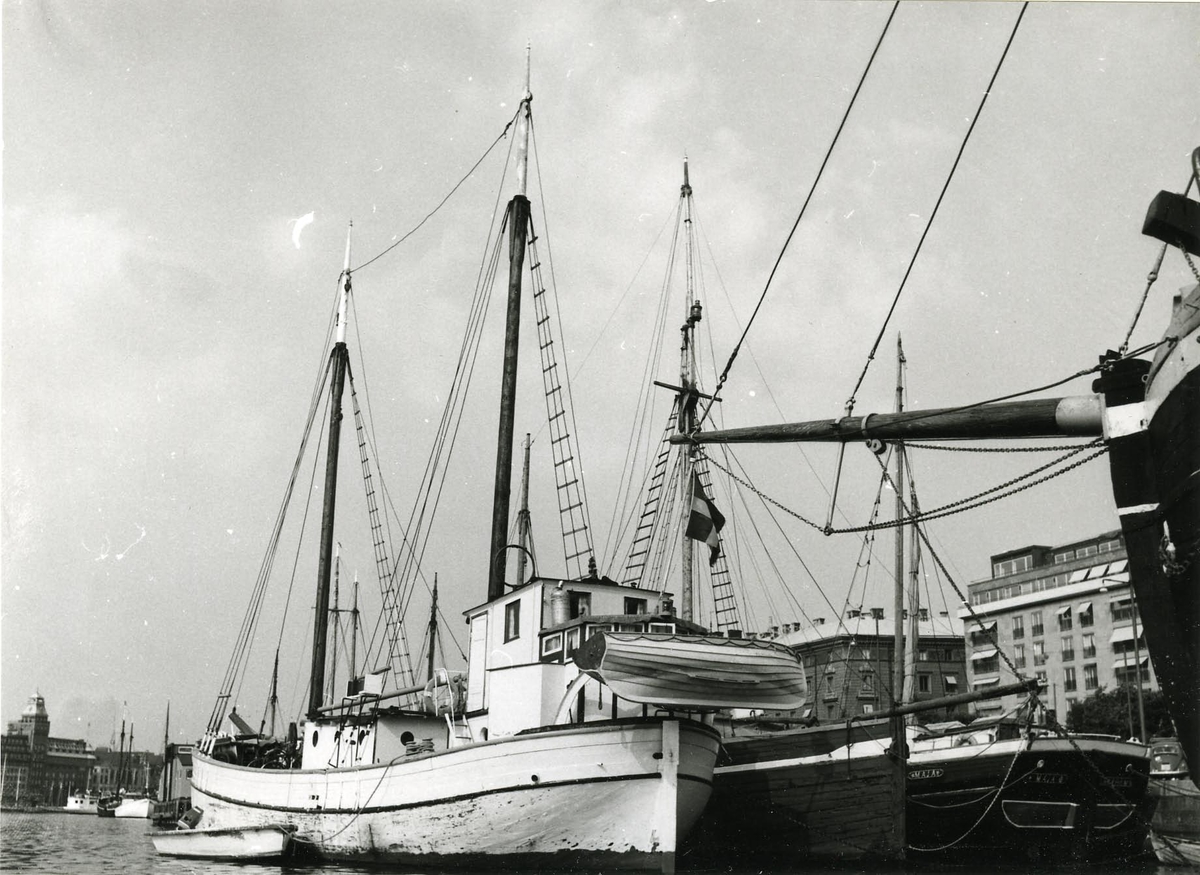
<point>803,208</point>
<point>442,202</point>
<point>970,503</point>
<point>658,485</point>
<point>407,566</point>
<point>934,212</point>
<point>236,667</point>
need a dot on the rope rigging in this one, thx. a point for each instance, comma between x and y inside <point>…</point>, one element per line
<point>411,537</point>
<point>933,214</point>
<point>804,207</point>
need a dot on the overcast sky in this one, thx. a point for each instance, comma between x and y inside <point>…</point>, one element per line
<point>162,325</point>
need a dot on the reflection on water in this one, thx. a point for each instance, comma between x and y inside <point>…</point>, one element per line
<point>65,844</point>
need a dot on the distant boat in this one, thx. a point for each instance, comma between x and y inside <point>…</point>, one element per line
<point>139,807</point>
<point>81,803</point>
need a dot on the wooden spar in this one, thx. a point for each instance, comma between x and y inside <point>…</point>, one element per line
<point>1073,416</point>
<point>1026,686</point>
<point>518,225</point>
<point>316,688</point>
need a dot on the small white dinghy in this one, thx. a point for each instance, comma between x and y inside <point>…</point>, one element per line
<point>223,843</point>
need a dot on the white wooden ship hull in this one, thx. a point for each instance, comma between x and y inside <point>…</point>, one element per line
<point>693,671</point>
<point>595,795</point>
<point>251,843</point>
<point>134,808</point>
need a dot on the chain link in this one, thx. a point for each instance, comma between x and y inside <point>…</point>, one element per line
<point>1050,448</point>
<point>1188,258</point>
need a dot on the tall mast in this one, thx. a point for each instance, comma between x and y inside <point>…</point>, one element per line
<point>121,757</point>
<point>899,734</point>
<point>316,687</point>
<point>898,601</point>
<point>523,515</point>
<point>337,619</point>
<point>274,703</point>
<point>432,628</point>
<point>166,748</point>
<point>354,632</point>
<point>518,224</point>
<point>686,420</point>
<point>913,600</point>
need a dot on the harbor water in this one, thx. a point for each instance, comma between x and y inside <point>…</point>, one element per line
<point>64,844</point>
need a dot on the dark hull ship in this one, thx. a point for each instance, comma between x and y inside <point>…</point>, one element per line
<point>1053,797</point>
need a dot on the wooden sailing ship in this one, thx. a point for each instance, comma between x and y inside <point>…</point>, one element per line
<point>1148,414</point>
<point>533,764</point>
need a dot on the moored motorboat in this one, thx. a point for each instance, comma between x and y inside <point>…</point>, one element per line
<point>81,803</point>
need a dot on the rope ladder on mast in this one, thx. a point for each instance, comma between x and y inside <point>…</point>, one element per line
<point>572,508</point>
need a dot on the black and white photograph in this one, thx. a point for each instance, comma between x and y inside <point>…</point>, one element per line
<point>653,436</point>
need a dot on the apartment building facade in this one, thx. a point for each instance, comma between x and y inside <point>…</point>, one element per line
<point>1065,615</point>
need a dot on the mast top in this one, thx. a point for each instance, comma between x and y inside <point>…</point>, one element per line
<point>341,317</point>
<point>522,139</point>
<point>685,190</point>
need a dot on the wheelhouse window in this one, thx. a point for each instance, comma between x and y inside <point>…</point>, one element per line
<point>512,621</point>
<point>581,604</point>
<point>635,605</point>
<point>552,645</point>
